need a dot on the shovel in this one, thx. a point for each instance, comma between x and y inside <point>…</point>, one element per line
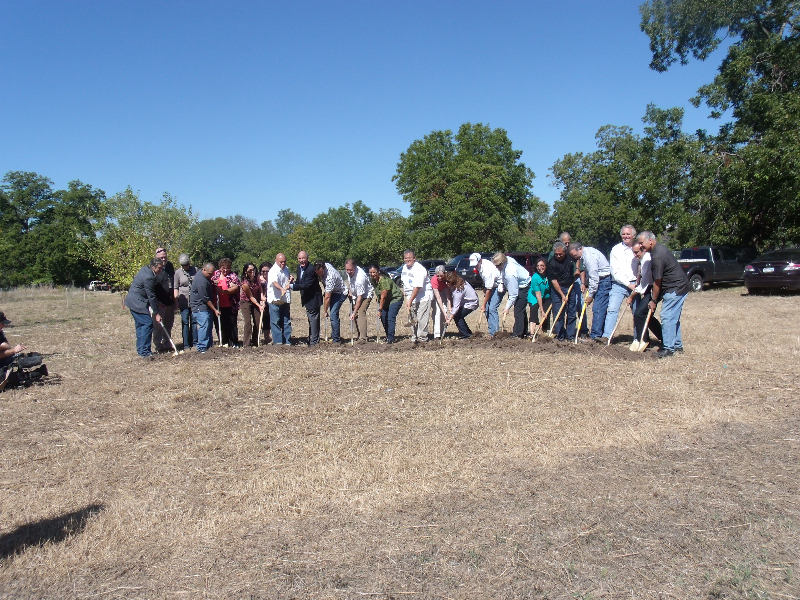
<point>583,312</point>
<point>641,345</point>
<point>539,325</point>
<point>560,310</point>
<point>619,320</point>
<point>260,324</point>
<point>164,329</point>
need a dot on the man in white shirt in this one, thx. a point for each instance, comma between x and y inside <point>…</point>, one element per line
<point>361,292</point>
<point>623,274</point>
<point>417,291</point>
<point>493,284</point>
<point>279,281</point>
<point>518,282</point>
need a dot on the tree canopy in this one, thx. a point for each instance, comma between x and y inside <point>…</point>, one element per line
<point>469,190</point>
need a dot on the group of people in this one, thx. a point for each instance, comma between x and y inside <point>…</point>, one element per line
<point>639,274</point>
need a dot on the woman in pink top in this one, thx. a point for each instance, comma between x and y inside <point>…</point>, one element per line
<point>226,287</point>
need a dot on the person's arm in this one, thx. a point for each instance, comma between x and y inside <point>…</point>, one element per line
<point>414,292</point>
<point>512,285</point>
<point>554,285</point>
<point>248,292</point>
<point>356,306</point>
<point>439,299</point>
<point>175,285</point>
<point>7,349</point>
<point>150,290</point>
<point>326,302</point>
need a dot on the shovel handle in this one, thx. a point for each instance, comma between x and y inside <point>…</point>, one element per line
<point>560,310</point>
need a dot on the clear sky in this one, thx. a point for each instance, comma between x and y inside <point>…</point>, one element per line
<point>251,107</point>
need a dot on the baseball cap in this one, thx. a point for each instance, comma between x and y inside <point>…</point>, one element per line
<point>474,259</point>
<point>3,319</point>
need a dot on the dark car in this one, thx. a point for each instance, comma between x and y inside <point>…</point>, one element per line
<point>453,264</point>
<point>779,269</point>
<point>432,264</point>
<point>710,264</point>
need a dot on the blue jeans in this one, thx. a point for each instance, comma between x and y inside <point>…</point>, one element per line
<point>671,307</point>
<point>600,307</point>
<point>189,328</point>
<point>389,319</point>
<point>280,323</point>
<point>568,313</point>
<point>616,296</point>
<point>334,306</point>
<point>492,316</point>
<point>144,333</point>
<point>203,320</point>
<point>461,321</point>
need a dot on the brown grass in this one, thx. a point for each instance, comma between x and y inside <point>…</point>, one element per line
<point>499,469</point>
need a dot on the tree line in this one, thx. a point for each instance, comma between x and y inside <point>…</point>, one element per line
<point>470,190</point>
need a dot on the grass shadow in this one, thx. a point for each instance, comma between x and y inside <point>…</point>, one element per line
<point>53,530</point>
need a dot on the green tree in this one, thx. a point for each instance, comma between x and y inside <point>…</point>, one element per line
<point>130,231</point>
<point>753,164</point>
<point>43,230</point>
<point>464,190</point>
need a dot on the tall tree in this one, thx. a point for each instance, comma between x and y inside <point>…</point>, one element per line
<point>754,162</point>
<point>464,190</point>
<point>131,230</point>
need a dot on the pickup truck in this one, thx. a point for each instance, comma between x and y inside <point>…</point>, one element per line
<point>710,264</point>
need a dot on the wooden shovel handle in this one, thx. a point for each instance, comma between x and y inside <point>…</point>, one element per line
<point>560,310</point>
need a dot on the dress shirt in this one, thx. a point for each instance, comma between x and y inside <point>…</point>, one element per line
<point>490,274</point>
<point>334,284</point>
<point>516,277</point>
<point>646,279</point>
<point>623,264</point>
<point>360,284</point>
<point>281,276</point>
<point>596,267</point>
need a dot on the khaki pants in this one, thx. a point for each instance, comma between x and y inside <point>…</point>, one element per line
<point>361,320</point>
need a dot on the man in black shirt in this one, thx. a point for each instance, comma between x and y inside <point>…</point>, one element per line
<point>202,307</point>
<point>670,286</point>
<point>561,273</point>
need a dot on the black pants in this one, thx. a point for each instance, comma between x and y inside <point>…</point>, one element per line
<point>461,321</point>
<point>230,329</point>
<point>640,316</point>
<point>313,326</point>
<point>535,312</point>
<point>520,313</point>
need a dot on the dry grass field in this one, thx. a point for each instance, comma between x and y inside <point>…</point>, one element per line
<point>481,469</point>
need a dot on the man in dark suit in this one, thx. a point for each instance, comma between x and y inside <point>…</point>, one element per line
<point>142,302</point>
<point>307,283</point>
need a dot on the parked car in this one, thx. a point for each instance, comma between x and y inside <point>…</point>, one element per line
<point>95,286</point>
<point>451,266</point>
<point>432,264</point>
<point>779,269</point>
<point>710,264</point>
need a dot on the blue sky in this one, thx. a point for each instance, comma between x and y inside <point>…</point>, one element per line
<point>251,107</point>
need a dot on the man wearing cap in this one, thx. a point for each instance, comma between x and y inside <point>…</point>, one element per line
<point>624,267</point>
<point>598,271</point>
<point>164,294</point>
<point>182,285</point>
<point>142,302</point>
<point>418,294</point>
<point>518,282</point>
<point>493,284</point>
